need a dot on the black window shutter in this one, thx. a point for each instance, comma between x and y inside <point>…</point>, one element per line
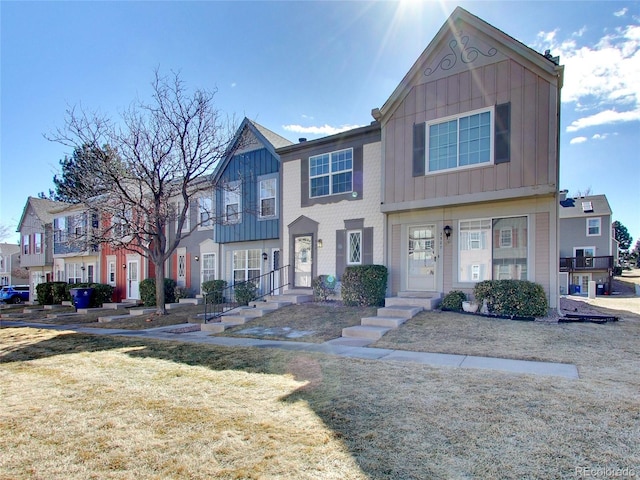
<point>502,141</point>
<point>419,145</point>
<point>367,246</point>
<point>341,261</point>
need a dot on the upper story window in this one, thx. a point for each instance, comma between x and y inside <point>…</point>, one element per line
<point>60,229</point>
<point>26,247</point>
<point>232,202</point>
<point>205,211</point>
<point>268,190</point>
<point>593,227</point>
<point>37,243</point>
<point>331,173</point>
<point>506,238</point>
<point>462,141</point>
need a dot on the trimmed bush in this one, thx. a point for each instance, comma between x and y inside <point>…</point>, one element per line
<point>452,301</point>
<point>52,293</point>
<point>148,291</point>
<point>364,285</point>
<point>214,290</point>
<point>245,292</point>
<point>182,292</point>
<point>322,288</point>
<point>513,298</point>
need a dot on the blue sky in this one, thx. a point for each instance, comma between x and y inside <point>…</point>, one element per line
<point>304,69</point>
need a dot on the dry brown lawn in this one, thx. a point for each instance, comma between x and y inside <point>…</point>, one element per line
<point>76,406</point>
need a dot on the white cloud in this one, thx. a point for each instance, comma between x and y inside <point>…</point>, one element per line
<point>605,117</point>
<point>621,13</point>
<point>599,136</point>
<point>601,79</point>
<point>233,84</point>
<point>578,140</point>
<point>321,130</point>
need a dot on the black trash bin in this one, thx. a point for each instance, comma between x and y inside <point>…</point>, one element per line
<point>600,289</point>
<point>81,297</point>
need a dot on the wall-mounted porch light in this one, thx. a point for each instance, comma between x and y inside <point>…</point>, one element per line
<point>447,231</point>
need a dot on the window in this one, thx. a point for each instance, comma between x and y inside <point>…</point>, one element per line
<point>74,273</point>
<point>37,243</point>
<point>246,265</point>
<point>208,267</point>
<point>492,249</point>
<point>232,202</point>
<point>460,142</point>
<point>331,173</point>
<point>111,273</point>
<point>268,198</point>
<point>90,274</point>
<point>26,248</point>
<point>187,223</point>
<point>506,238</point>
<point>78,222</point>
<point>354,242</point>
<point>593,227</point>
<point>60,230</point>
<point>205,205</point>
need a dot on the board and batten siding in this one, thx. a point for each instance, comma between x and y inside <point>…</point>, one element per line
<point>247,167</point>
<point>533,142</point>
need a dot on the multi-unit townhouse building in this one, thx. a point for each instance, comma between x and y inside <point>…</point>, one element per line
<point>588,249</point>
<point>470,163</point>
<point>331,204</point>
<point>248,206</point>
<point>36,238</point>
<point>9,264</point>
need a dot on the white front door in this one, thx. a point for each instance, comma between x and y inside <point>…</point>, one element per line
<point>421,258</point>
<point>133,279</point>
<point>302,261</point>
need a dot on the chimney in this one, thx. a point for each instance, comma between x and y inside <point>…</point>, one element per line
<point>563,195</point>
<point>302,140</point>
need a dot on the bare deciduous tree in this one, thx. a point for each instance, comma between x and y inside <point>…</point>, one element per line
<point>148,167</point>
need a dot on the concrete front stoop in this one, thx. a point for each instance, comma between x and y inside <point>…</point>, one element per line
<point>240,316</point>
<point>396,311</point>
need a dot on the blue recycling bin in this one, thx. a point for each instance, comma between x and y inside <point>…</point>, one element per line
<point>573,289</point>
<point>81,297</point>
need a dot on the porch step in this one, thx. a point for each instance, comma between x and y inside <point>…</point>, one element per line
<point>388,322</point>
<point>140,311</point>
<point>402,311</point>
<point>118,306</point>
<point>415,299</point>
<point>112,318</point>
<point>269,304</point>
<point>192,301</point>
<point>218,327</point>
<point>293,297</point>
<point>365,331</point>
<point>171,306</point>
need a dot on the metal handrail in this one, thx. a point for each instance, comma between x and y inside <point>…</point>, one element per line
<point>265,285</point>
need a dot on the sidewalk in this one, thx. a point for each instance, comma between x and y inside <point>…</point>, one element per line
<point>339,347</point>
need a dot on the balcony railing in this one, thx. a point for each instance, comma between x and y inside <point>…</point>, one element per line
<point>573,264</point>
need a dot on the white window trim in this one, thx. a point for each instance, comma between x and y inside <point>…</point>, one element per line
<point>261,198</point>
<point>37,246</point>
<point>202,269</point>
<point>349,233</point>
<point>440,120</point>
<point>505,244</point>
<point>209,224</point>
<point>331,173</point>
<point>599,221</point>
<point>233,189</point>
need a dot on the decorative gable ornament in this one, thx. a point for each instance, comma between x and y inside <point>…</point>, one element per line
<point>461,52</point>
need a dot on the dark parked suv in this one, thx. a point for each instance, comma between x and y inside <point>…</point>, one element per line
<point>14,294</point>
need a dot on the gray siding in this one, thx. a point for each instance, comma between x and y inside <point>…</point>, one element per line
<point>573,233</point>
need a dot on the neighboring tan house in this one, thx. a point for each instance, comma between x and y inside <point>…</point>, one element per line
<point>76,259</point>
<point>10,264</point>
<point>470,163</point>
<point>36,237</point>
<point>195,259</point>
<point>587,244</point>
<point>248,208</point>
<point>331,204</point>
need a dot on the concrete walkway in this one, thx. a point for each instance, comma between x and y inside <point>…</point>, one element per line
<point>340,347</point>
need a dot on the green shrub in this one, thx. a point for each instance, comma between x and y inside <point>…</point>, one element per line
<point>323,287</point>
<point>148,291</point>
<point>617,270</point>
<point>214,290</point>
<point>102,293</point>
<point>182,292</point>
<point>364,285</point>
<point>452,301</point>
<point>52,293</point>
<point>518,298</point>
<point>245,292</point>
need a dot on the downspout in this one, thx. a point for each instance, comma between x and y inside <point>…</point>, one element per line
<point>560,70</point>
